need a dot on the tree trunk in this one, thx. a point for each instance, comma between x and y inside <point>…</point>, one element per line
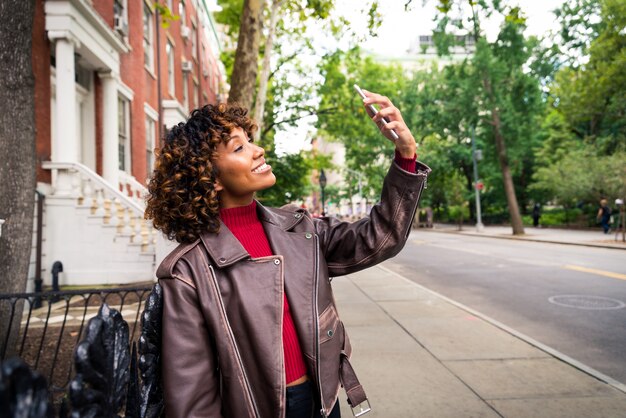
<point>261,97</point>
<point>246,62</point>
<point>507,178</point>
<point>17,154</point>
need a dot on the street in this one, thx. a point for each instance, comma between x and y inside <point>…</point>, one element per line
<point>570,298</point>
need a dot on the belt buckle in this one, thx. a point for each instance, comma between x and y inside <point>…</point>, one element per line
<point>361,409</point>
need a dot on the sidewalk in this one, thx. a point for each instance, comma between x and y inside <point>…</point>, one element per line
<point>594,238</point>
<point>419,354</point>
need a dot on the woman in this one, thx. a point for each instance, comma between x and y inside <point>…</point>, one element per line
<point>604,216</point>
<point>250,327</point>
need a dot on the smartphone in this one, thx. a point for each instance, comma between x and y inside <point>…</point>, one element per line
<point>372,111</point>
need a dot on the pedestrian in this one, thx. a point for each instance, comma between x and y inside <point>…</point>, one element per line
<point>604,216</point>
<point>536,214</point>
<point>249,326</point>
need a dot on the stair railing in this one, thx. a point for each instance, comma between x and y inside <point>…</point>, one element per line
<point>106,200</point>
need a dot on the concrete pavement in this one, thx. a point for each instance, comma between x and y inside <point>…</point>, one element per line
<point>590,238</point>
<point>419,354</point>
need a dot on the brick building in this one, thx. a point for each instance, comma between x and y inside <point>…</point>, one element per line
<point>110,77</point>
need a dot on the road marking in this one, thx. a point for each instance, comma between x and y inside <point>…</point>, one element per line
<point>418,241</point>
<point>464,249</point>
<point>594,271</point>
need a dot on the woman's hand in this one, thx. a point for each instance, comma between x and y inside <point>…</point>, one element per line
<point>405,144</point>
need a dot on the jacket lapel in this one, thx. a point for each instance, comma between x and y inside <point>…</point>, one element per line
<point>223,248</point>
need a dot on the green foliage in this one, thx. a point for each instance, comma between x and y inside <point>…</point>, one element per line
<point>457,198</point>
<point>578,28</point>
<point>166,15</point>
<point>567,180</point>
<point>566,146</point>
<point>321,8</point>
<point>581,157</point>
<point>332,195</point>
<point>230,16</point>
<point>557,140</point>
<point>228,59</point>
<point>591,97</point>
<point>342,117</point>
<point>562,217</point>
<point>497,91</point>
<point>583,175</point>
<point>561,107</point>
<point>374,19</point>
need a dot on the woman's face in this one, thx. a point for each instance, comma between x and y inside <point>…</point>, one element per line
<point>242,169</point>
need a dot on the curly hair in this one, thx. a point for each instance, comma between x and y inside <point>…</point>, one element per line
<point>182,201</point>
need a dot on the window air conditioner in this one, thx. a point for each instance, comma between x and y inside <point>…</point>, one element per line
<point>187,66</point>
<point>185,32</point>
<point>120,25</point>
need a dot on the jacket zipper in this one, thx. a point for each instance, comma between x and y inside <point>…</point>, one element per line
<point>317,326</point>
<point>236,349</point>
<point>283,383</point>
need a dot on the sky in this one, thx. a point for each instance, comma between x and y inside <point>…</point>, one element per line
<point>398,30</point>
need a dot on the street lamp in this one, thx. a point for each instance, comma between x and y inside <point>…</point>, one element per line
<point>477,156</point>
<point>322,185</point>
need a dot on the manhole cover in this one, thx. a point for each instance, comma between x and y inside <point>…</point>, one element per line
<point>587,302</point>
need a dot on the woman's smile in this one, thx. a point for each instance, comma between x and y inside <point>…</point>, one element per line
<point>262,168</point>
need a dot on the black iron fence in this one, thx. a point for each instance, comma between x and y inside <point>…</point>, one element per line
<point>52,324</point>
<point>112,373</point>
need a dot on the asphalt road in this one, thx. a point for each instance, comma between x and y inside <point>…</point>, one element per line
<point>571,298</point>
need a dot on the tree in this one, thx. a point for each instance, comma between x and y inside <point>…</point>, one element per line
<point>342,117</point>
<point>17,149</point>
<point>265,68</point>
<point>582,175</point>
<point>441,105</point>
<point>286,24</point>
<point>585,132</point>
<point>281,102</point>
<point>245,67</point>
<point>509,94</point>
<point>591,96</point>
<point>579,27</point>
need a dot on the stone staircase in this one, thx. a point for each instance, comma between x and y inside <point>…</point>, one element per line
<point>97,231</point>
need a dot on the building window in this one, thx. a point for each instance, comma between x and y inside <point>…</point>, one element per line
<point>118,8</point>
<point>186,91</point>
<point>181,12</point>
<point>123,134</point>
<point>169,51</point>
<point>150,136</point>
<point>148,38</point>
<point>194,43</point>
<point>203,61</point>
<point>195,94</point>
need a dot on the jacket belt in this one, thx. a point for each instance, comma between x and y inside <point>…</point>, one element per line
<point>352,386</point>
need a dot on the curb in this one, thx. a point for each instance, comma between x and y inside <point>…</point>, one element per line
<point>513,238</point>
<point>549,350</point>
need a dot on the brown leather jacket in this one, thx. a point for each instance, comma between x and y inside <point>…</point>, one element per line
<point>223,310</point>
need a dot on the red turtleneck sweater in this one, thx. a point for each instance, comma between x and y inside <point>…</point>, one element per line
<point>244,223</point>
